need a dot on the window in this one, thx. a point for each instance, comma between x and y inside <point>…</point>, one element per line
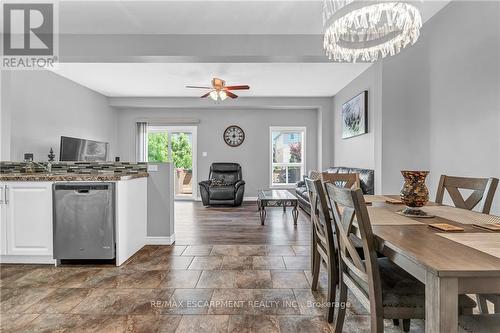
<point>287,155</point>
<point>157,146</point>
<point>177,145</point>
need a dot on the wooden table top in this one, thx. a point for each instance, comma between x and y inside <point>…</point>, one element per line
<point>424,246</point>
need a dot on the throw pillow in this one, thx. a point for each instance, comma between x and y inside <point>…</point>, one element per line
<point>217,182</point>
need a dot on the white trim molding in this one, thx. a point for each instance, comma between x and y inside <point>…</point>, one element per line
<point>22,259</point>
<point>152,240</point>
<point>167,121</point>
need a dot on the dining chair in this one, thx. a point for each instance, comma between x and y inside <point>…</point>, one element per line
<point>482,302</point>
<point>479,323</point>
<point>483,191</point>
<point>314,174</point>
<point>382,287</point>
<point>323,242</point>
<point>346,180</point>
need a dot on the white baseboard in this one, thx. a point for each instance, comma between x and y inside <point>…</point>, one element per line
<point>21,259</point>
<point>160,240</point>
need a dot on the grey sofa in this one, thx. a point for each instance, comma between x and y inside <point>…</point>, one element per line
<point>366,179</point>
<point>230,187</point>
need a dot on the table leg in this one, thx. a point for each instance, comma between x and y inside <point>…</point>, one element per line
<point>295,214</point>
<point>441,304</point>
<point>262,213</point>
<point>284,208</point>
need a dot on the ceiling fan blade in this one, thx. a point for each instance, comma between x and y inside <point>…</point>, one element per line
<point>203,96</point>
<point>230,94</point>
<point>242,87</point>
<point>198,87</point>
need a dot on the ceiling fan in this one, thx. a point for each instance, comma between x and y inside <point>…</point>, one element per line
<point>219,90</point>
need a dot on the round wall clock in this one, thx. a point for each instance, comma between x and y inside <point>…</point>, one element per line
<point>234,136</point>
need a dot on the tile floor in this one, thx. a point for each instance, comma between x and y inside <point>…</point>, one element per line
<point>201,288</point>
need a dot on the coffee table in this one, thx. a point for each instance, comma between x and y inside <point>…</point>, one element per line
<point>277,198</point>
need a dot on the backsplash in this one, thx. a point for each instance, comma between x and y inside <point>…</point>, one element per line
<point>74,167</point>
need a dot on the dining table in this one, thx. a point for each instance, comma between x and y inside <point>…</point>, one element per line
<point>448,263</point>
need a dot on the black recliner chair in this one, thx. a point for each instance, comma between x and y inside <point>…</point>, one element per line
<point>224,187</point>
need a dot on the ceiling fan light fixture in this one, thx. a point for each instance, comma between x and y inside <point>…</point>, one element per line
<point>214,95</point>
<point>219,91</point>
<point>222,95</point>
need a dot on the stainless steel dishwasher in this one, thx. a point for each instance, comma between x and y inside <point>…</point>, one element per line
<point>84,220</point>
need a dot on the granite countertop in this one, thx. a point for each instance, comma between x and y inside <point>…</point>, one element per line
<point>54,177</point>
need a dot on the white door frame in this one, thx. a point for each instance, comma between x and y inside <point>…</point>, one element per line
<point>194,132</point>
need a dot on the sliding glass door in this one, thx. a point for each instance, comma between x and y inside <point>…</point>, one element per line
<point>176,144</point>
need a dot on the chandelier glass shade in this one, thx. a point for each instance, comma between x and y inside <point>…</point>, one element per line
<point>369,30</point>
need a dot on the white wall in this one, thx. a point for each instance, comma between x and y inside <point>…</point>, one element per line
<point>4,116</point>
<point>253,154</point>
<point>322,106</point>
<point>464,92</point>
<point>441,99</point>
<point>440,104</point>
<point>405,130</point>
<point>40,106</point>
<point>358,151</point>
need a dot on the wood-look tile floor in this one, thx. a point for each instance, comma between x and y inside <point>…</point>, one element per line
<point>219,288</point>
<point>197,225</point>
<point>216,284</point>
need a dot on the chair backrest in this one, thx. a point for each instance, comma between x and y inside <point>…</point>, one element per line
<point>346,180</point>
<point>483,191</point>
<point>229,173</point>
<point>353,227</point>
<point>320,216</point>
<point>366,177</point>
<point>314,175</point>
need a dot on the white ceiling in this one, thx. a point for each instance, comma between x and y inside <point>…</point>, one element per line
<point>191,17</point>
<point>205,17</point>
<point>265,79</point>
<point>200,17</point>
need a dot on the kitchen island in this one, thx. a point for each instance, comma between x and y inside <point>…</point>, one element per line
<point>26,215</point>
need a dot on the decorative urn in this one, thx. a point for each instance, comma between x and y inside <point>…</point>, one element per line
<point>414,193</point>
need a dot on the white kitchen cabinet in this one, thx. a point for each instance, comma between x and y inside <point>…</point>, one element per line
<point>26,219</point>
<point>131,217</point>
<point>3,232</point>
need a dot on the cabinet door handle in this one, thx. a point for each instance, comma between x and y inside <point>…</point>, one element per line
<point>1,194</point>
<point>6,198</point>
